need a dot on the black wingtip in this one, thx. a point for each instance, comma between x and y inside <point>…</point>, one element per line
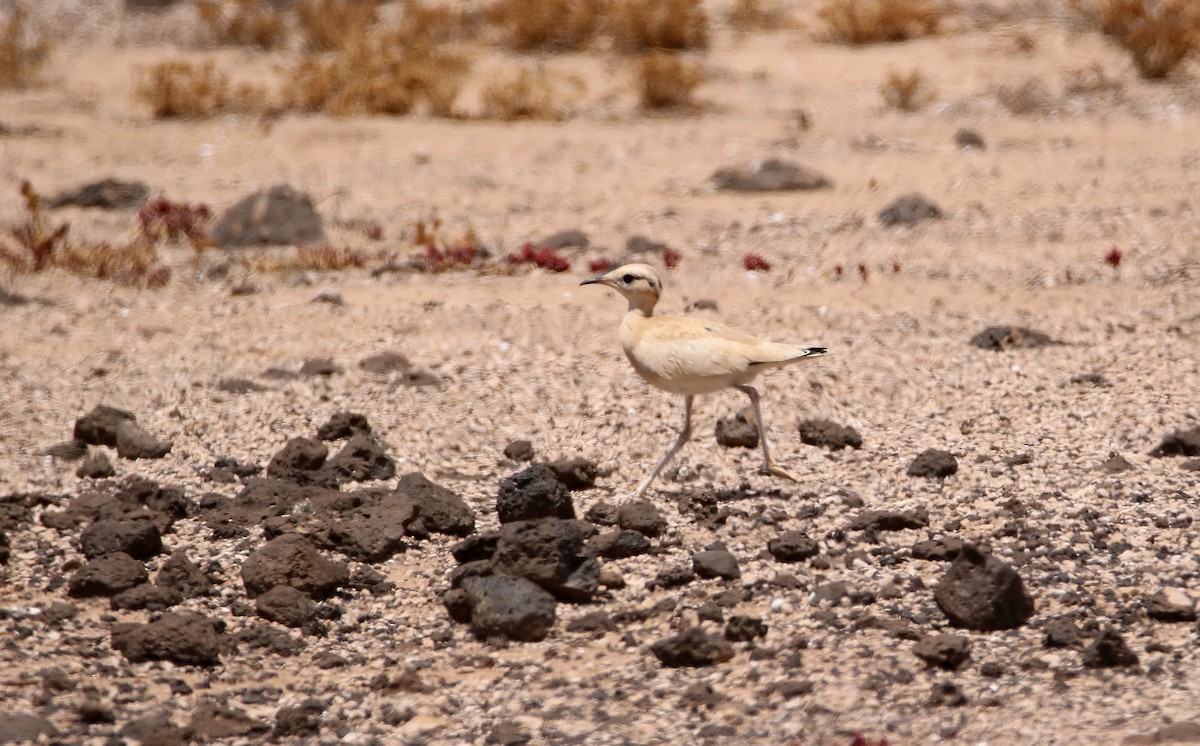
<point>817,350</point>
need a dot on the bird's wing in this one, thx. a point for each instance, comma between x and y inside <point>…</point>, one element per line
<point>678,347</point>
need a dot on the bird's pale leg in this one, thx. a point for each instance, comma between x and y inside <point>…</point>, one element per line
<point>684,435</point>
<point>769,466</point>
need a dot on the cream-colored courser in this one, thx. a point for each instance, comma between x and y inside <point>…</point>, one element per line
<point>691,356</point>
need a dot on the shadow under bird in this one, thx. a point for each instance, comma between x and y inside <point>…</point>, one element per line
<point>691,356</point>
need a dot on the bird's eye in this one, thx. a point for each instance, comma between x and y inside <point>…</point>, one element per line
<point>627,279</point>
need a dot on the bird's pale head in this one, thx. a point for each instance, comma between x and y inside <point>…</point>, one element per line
<point>639,283</point>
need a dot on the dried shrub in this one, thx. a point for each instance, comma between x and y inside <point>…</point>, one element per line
<point>179,89</point>
<point>1159,34</point>
<point>542,257</point>
<point>41,245</point>
<point>757,15</point>
<point>377,75</point>
<point>327,25</point>
<point>1030,97</point>
<point>243,22</point>
<point>529,93</point>
<point>552,25</point>
<point>639,26</point>
<point>670,258</point>
<point>161,219</point>
<point>448,259</point>
<point>320,258</point>
<point>875,21</point>
<point>21,58</point>
<point>906,92</point>
<point>666,80</point>
<point>1091,81</point>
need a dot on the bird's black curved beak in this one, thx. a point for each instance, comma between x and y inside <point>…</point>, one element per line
<point>597,280</point>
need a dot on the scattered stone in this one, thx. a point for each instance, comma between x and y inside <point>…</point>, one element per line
<point>943,549</point>
<point>107,576</point>
<point>716,563</point>
<point>533,493</point>
<point>792,688</point>
<point>1116,464</point>
<point>302,720</point>
<point>642,516</point>
<point>139,538</point>
<point>5,549</point>
<point>435,509</point>
<point>277,216</point>
<point>793,546</point>
<point>549,552</point>
<point>947,694</point>
<point>1062,633</point>
<point>19,727</point>
<point>147,596</point>
<point>890,520</point>
<point>342,425</point>
<point>385,362</point>
<point>364,458</point>
<point>1186,731</point>
<point>106,194</point>
<point>1109,650</point>
<point>507,733</point>
<point>512,607</point>
<point>968,139</point>
<point>1191,465</point>
<point>240,386</point>
<point>99,426</point>
<point>933,464</point>
<point>293,560</point>
<point>184,638</point>
<point>1179,443</point>
<point>769,175</point>
<point>476,547</point>
<point>298,460</point>
<point>212,721</point>
<point>569,238</point>
<point>287,606</point>
<point>947,651</point>
<point>320,366</point>
<point>575,473</point>
<point>829,434</point>
<point>692,648</point>
<point>1001,338</point>
<point>981,592</point>
<point>742,628</point>
<point>155,728</point>
<point>133,442</point>
<point>183,575</point>
<point>519,450</point>
<point>68,450</point>
<point>640,244</point>
<point>909,210</point>
<point>739,430</point>
<point>1091,379</point>
<point>96,466</point>
<point>594,622</point>
<point>372,533</point>
<point>1171,605</point>
<point>673,576</point>
<point>619,544</point>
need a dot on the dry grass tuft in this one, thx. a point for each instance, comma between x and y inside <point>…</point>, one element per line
<point>638,26</point>
<point>529,93</point>
<point>757,15</point>
<point>551,25</point>
<point>321,258</point>
<point>179,89</point>
<point>327,25</point>
<point>21,58</point>
<point>1031,97</point>
<point>243,22</point>
<point>906,92</point>
<point>875,21</point>
<point>667,80</point>
<point>1159,34</point>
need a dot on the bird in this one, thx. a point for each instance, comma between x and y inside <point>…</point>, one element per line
<point>692,356</point>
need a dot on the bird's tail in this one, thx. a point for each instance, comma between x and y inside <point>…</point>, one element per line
<point>788,354</point>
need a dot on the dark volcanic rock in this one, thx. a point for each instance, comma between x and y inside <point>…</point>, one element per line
<point>476,547</point>
<point>320,366</point>
<point>133,442</point>
<point>519,450</point>
<point>769,175</point>
<point>981,592</point>
<point>5,550</point>
<point>829,434</point>
<point>180,573</point>
<point>739,430</point>
<point>1170,605</point>
<point>344,425</point>
<point>19,727</point>
<point>96,465</point>
<point>287,606</point>
<point>372,534</point>
<point>947,694</point>
<point>184,638</point>
<point>106,194</point>
<point>385,362</point>
<point>240,386</point>
<point>968,139</point>
<point>890,520</point>
<point>942,549</point>
<point>716,563</point>
<point>1179,443</point>
<point>293,560</point>
<point>435,509</point>
<point>298,460</point>
<point>642,516</point>
<point>68,450</point>
<point>619,544</point>
<point>567,238</point>
<point>673,576</point>
<point>575,473</point>
<point>362,459</point>
<point>212,721</point>
<point>1116,464</point>
<point>1109,650</point>
<point>148,596</point>
<point>139,539</point>
<point>909,210</point>
<point>793,546</point>
<point>741,628</point>
<point>99,426</point>
<point>1062,633</point>
<point>302,720</point>
<point>507,733</point>
<point>534,493</point>
<point>276,216</point>
<point>107,576</point>
<point>950,652</point>
<point>551,552</point>
<point>934,464</point>
<point>1000,338</point>
<point>509,606</point>
<point>692,648</point>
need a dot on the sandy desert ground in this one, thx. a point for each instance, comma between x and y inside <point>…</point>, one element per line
<point>528,354</point>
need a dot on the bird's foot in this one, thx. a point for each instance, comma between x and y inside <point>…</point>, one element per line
<point>776,470</point>
<point>625,498</point>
